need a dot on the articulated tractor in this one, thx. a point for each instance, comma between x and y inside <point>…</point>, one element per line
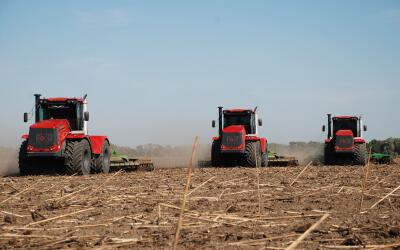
<point>59,141</point>
<point>238,142</point>
<point>345,143</point>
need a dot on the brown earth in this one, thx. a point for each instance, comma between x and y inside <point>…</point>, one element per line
<point>137,209</point>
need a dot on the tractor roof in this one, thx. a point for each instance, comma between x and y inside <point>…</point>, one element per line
<point>345,117</point>
<point>238,110</point>
<point>63,99</point>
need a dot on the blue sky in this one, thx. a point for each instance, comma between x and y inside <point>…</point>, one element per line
<point>155,71</point>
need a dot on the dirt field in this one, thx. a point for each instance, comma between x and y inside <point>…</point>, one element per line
<point>138,209</point>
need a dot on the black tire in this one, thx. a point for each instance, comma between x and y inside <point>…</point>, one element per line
<point>25,168</point>
<point>329,155</point>
<point>253,154</point>
<point>102,163</point>
<point>264,159</point>
<point>216,154</point>
<point>78,157</point>
<point>360,153</point>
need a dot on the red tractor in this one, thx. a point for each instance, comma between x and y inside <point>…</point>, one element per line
<point>59,140</point>
<point>345,143</point>
<point>238,142</point>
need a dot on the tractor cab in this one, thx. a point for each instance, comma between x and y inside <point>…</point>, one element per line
<point>349,123</point>
<point>72,110</point>
<point>238,119</point>
<point>241,117</point>
<point>237,123</point>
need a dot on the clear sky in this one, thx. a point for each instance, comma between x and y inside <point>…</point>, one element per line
<point>155,71</point>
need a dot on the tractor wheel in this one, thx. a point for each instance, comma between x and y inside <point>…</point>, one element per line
<point>253,154</point>
<point>264,159</point>
<point>102,163</point>
<point>216,154</point>
<point>78,157</point>
<point>25,168</point>
<point>329,155</point>
<point>360,153</point>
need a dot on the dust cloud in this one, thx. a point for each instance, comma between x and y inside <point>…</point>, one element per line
<point>166,156</point>
<point>304,152</point>
<point>8,161</point>
<point>180,156</point>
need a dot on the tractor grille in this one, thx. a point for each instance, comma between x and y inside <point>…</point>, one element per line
<point>42,137</point>
<point>232,139</point>
<point>344,141</point>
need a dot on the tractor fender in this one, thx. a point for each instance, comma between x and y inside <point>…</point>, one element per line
<point>359,140</point>
<point>263,142</point>
<point>96,143</point>
<point>79,136</point>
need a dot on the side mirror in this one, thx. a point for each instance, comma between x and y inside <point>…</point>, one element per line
<point>259,122</point>
<point>323,128</point>
<point>25,117</point>
<point>365,127</point>
<point>213,124</point>
<point>86,116</point>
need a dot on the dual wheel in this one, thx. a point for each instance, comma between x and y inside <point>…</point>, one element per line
<point>360,154</point>
<point>254,156</point>
<point>78,159</point>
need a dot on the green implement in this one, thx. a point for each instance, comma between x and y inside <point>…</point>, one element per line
<point>273,160</point>
<point>118,162</point>
<point>278,160</point>
<point>379,158</point>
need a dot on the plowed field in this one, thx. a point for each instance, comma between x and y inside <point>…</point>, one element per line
<point>227,209</point>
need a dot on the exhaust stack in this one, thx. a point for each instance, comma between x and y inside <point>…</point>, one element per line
<point>37,100</point>
<point>329,126</point>
<point>220,120</point>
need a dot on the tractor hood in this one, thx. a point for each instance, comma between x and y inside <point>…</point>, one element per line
<point>53,123</point>
<point>344,132</point>
<point>233,139</point>
<point>234,129</point>
<point>47,135</point>
<point>344,142</point>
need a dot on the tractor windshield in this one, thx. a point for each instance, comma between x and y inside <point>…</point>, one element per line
<point>346,124</point>
<point>61,110</point>
<point>244,119</point>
